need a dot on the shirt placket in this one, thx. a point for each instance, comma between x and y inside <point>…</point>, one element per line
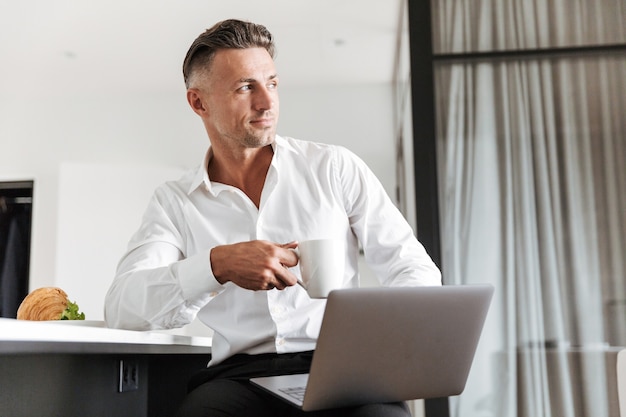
<point>276,309</point>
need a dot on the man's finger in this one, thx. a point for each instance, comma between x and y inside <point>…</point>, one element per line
<point>286,278</point>
<point>288,256</point>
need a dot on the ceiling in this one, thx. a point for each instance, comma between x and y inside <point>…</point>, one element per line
<point>50,47</point>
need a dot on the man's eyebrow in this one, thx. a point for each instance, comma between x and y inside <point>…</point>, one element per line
<point>254,80</point>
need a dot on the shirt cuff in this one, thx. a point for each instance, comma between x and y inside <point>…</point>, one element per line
<point>196,276</point>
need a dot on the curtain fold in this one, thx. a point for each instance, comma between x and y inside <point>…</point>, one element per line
<point>533,199</point>
<point>491,25</point>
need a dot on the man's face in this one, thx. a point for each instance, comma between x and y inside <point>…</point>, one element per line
<point>240,94</point>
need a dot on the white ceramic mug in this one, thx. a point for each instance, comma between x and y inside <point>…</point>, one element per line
<point>322,265</point>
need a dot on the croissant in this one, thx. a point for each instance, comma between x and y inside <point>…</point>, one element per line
<point>48,303</point>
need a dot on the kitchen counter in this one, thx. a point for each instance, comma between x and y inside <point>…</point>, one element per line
<point>72,368</point>
<point>77,336</point>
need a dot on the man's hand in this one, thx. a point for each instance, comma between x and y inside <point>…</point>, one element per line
<point>255,265</point>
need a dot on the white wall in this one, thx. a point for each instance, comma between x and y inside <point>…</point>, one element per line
<point>88,155</point>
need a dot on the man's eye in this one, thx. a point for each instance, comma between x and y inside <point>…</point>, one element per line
<point>272,85</point>
<point>245,88</point>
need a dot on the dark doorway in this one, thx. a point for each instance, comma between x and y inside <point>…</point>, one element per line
<point>16,207</point>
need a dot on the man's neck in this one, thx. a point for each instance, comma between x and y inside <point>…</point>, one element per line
<point>246,171</point>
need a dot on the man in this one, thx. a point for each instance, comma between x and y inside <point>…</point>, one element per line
<point>217,243</point>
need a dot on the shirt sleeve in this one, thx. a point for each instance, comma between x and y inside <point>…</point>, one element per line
<point>156,286</point>
<point>389,244</point>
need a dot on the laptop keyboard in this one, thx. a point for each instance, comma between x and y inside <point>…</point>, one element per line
<point>295,392</point>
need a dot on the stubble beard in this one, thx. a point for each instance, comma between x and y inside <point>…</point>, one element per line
<point>258,137</point>
<point>251,140</point>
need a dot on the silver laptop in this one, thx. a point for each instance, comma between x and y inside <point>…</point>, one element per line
<point>381,345</point>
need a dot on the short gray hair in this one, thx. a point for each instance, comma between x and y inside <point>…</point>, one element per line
<point>227,34</point>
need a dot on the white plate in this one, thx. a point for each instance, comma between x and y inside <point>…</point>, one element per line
<point>87,323</point>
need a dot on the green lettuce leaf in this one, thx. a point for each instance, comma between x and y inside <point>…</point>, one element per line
<point>72,313</point>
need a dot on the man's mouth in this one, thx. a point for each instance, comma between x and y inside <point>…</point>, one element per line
<point>263,122</point>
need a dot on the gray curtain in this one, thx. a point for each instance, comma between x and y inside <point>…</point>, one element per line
<point>533,199</point>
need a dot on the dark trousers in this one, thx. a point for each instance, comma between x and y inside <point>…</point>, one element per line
<point>224,391</point>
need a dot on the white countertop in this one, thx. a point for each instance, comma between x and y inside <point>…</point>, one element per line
<point>69,336</point>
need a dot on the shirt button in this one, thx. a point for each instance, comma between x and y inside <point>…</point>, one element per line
<point>280,342</point>
<point>276,310</point>
<point>213,294</point>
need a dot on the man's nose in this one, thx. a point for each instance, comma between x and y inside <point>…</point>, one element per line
<point>264,99</point>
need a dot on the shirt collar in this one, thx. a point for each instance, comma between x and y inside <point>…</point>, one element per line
<point>281,144</point>
<point>202,176</point>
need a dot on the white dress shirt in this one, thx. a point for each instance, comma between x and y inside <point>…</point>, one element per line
<point>312,191</point>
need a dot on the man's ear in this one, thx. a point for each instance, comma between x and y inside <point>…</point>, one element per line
<point>194,98</point>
